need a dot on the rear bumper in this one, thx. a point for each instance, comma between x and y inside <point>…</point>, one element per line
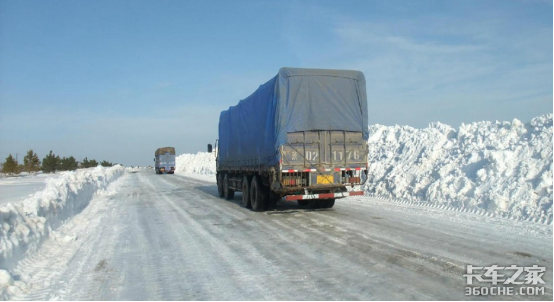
<point>324,195</point>
<point>324,170</point>
<point>170,170</point>
<point>309,178</point>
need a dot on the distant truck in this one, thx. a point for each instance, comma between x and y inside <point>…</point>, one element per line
<point>165,160</point>
<point>302,135</point>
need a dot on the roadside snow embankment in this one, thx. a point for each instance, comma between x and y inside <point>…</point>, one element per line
<point>202,163</point>
<point>496,167</point>
<point>499,167</point>
<point>25,224</point>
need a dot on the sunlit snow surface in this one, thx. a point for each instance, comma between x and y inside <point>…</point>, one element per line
<point>492,169</point>
<point>502,168</point>
<point>19,187</point>
<point>26,223</point>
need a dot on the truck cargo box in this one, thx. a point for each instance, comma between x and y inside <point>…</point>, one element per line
<point>164,159</point>
<point>295,100</point>
<point>302,135</point>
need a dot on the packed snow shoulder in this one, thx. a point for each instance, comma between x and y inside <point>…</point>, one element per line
<point>499,167</point>
<point>25,224</point>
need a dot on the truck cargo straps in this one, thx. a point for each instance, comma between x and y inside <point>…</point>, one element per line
<point>324,195</point>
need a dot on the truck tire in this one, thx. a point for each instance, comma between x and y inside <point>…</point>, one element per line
<point>246,192</point>
<point>229,193</point>
<point>257,195</point>
<point>302,203</point>
<point>272,199</point>
<point>315,203</point>
<point>220,191</point>
<point>327,203</point>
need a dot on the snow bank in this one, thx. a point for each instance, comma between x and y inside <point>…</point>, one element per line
<point>25,224</point>
<point>496,167</point>
<point>202,163</point>
<point>502,167</point>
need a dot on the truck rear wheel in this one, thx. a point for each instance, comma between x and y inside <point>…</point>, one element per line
<point>256,195</point>
<point>228,192</point>
<point>272,198</point>
<point>302,202</point>
<point>315,203</point>
<point>328,203</point>
<point>220,191</point>
<point>246,192</point>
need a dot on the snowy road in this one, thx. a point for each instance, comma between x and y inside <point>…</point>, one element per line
<point>167,237</point>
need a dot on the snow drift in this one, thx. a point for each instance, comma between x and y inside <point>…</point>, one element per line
<point>498,167</point>
<point>25,224</point>
<point>202,163</point>
<point>502,167</point>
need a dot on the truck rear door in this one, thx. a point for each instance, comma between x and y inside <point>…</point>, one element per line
<point>323,158</point>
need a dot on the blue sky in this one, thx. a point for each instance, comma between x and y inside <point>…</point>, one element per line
<point>115,80</point>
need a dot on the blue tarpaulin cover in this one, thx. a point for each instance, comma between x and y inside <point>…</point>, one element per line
<point>297,99</point>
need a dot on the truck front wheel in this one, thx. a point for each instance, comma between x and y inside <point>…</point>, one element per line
<point>229,193</point>
<point>256,195</point>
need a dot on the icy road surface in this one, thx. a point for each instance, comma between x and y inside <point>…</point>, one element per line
<point>167,237</point>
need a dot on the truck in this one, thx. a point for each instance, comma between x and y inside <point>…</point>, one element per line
<point>301,136</point>
<point>164,160</point>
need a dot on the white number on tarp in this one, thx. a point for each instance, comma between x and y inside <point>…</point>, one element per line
<point>311,155</point>
<point>337,155</point>
<point>353,155</point>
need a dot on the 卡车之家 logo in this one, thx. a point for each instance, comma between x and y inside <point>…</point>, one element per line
<point>504,280</point>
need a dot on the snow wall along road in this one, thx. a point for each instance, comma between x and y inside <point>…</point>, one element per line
<point>497,167</point>
<point>500,167</point>
<point>26,224</point>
